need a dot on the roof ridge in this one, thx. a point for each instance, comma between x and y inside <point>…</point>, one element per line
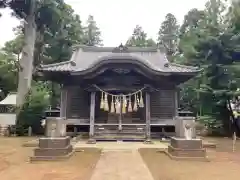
<point>110,49</point>
<point>184,66</point>
<point>56,64</point>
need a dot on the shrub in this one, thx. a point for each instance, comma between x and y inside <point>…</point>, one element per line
<point>32,111</point>
<point>214,126</point>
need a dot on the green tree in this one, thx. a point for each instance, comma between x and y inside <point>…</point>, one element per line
<point>33,109</point>
<point>57,30</point>
<point>92,34</point>
<point>8,73</point>
<point>216,50</point>
<point>168,34</point>
<point>139,38</point>
<point>35,15</point>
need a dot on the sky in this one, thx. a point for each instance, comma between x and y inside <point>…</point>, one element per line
<point>117,19</point>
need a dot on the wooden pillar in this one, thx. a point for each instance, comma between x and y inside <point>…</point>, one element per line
<point>120,116</point>
<point>92,118</point>
<point>176,93</point>
<point>148,118</point>
<point>63,104</point>
<point>178,121</point>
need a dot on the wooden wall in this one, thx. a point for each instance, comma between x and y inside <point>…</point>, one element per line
<point>162,104</point>
<point>78,103</point>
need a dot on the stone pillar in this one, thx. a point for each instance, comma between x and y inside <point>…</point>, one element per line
<point>63,105</point>
<point>148,118</point>
<point>92,118</point>
<point>185,146</point>
<point>55,127</point>
<point>181,125</point>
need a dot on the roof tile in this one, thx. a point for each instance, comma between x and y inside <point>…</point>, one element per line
<point>85,57</point>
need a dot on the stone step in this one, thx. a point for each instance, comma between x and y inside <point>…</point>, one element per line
<point>186,152</point>
<point>119,132</point>
<point>123,127</point>
<point>51,158</point>
<point>119,137</point>
<point>53,152</point>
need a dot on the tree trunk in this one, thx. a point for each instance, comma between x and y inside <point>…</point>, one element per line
<point>26,62</point>
<point>234,127</point>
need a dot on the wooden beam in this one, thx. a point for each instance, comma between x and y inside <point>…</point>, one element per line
<point>121,88</point>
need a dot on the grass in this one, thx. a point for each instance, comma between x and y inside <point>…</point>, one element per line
<point>224,164</point>
<point>14,163</point>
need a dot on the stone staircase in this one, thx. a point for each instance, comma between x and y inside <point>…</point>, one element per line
<point>126,133</point>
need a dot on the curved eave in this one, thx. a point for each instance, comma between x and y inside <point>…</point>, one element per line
<point>70,67</point>
<point>170,69</point>
<point>66,66</point>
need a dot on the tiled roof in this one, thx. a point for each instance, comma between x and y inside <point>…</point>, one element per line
<point>85,58</point>
<point>62,66</point>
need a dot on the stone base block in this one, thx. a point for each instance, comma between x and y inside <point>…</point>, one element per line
<point>186,152</point>
<point>181,143</point>
<point>57,148</point>
<point>186,149</point>
<point>53,152</point>
<point>148,141</point>
<point>56,142</point>
<point>51,158</point>
<point>91,141</point>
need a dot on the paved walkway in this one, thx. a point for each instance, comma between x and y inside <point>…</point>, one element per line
<point>109,146</point>
<point>121,165</point>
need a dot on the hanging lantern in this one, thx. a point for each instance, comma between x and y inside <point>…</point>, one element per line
<point>130,105</point>
<point>141,104</point>
<point>102,101</point>
<point>112,106</point>
<point>135,103</point>
<point>106,107</point>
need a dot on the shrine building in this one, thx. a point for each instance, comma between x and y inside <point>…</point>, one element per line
<point>119,92</point>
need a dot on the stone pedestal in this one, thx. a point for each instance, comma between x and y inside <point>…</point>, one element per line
<point>180,148</point>
<point>56,145</point>
<point>180,126</point>
<point>3,130</point>
<point>185,145</point>
<point>55,127</point>
<point>91,141</point>
<point>57,148</point>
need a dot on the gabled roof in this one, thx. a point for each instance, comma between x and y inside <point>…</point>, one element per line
<point>85,57</point>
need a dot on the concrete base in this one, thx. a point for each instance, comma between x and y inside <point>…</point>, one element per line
<point>56,148</point>
<point>51,158</point>
<point>180,148</point>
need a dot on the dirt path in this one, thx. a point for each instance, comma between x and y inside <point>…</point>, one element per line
<point>121,165</point>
